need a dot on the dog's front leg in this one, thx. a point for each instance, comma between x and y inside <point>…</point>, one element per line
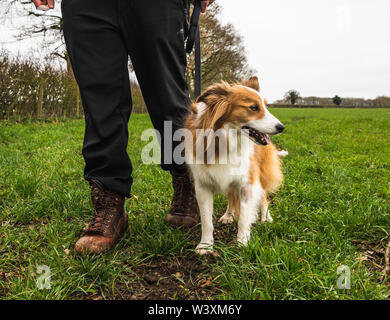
<point>206,203</point>
<point>232,208</point>
<point>249,200</point>
<point>265,214</point>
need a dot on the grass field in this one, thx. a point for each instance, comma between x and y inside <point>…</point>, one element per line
<point>333,210</point>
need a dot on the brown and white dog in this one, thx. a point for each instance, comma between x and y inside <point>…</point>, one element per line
<point>225,112</point>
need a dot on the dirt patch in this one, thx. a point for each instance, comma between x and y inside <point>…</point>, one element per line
<point>373,256</point>
<point>4,283</point>
<point>180,278</point>
<point>190,277</point>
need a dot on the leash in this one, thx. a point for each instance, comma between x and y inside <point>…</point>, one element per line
<point>194,39</point>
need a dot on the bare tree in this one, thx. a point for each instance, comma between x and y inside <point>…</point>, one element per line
<point>223,52</point>
<point>46,25</point>
<point>382,101</point>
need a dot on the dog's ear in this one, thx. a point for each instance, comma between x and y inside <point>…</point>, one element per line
<point>252,82</point>
<point>214,92</point>
<point>216,100</point>
<point>215,115</point>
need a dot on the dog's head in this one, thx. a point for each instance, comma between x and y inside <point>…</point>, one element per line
<point>239,106</point>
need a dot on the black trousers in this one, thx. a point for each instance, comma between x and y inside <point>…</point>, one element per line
<point>100,35</point>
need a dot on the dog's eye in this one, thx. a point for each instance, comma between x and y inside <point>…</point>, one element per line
<point>254,108</point>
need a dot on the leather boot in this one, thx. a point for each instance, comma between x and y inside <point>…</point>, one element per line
<point>184,208</point>
<point>109,221</point>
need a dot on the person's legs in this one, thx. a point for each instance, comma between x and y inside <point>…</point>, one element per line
<point>100,64</point>
<point>155,33</point>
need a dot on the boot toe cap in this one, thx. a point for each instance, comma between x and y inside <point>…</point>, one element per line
<point>93,244</point>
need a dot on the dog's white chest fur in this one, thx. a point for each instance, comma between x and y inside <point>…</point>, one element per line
<point>231,170</point>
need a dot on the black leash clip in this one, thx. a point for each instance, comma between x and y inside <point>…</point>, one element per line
<point>193,32</point>
<point>194,39</point>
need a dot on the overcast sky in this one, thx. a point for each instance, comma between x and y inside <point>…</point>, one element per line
<point>320,47</point>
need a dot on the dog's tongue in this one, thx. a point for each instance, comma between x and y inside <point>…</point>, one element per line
<point>262,138</point>
<point>257,136</point>
<point>267,138</point>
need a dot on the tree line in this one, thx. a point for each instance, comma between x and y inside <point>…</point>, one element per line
<point>293,97</point>
<point>29,90</point>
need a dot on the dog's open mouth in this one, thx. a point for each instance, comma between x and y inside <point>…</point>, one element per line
<point>257,136</point>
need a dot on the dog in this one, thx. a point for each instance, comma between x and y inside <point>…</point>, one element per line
<point>219,112</point>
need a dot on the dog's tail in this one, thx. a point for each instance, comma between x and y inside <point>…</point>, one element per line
<point>282,153</point>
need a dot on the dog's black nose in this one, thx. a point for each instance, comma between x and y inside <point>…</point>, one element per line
<point>279,127</point>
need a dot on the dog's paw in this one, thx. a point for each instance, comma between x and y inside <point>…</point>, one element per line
<point>268,220</point>
<point>204,248</point>
<point>227,218</point>
<point>243,239</point>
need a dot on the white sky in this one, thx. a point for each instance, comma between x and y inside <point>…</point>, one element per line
<point>319,47</point>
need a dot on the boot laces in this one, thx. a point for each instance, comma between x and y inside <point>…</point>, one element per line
<point>105,202</point>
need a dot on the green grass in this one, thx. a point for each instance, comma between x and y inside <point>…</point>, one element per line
<point>336,194</point>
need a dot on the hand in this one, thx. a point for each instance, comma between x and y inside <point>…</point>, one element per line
<point>205,4</point>
<point>48,4</point>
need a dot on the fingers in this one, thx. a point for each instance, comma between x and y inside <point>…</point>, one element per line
<point>38,3</point>
<point>44,4</point>
<point>205,3</point>
<point>51,3</point>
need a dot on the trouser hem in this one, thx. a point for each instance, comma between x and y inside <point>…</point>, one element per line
<point>122,188</point>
